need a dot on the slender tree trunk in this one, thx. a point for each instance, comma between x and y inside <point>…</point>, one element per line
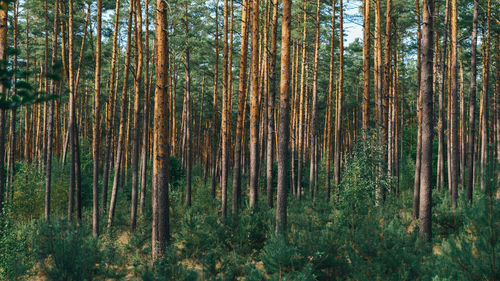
<point>314,130</point>
<point>254,109</point>
<point>454,152</point>
<point>3,56</point>
<point>72,117</point>
<point>123,110</point>
<point>96,125</point>
<point>484,100</point>
<point>338,116</point>
<point>12,129</point>
<point>145,118</point>
<point>302,94</point>
<point>427,123</point>
<point>50,118</point>
<point>138,88</point>
<point>416,186</point>
<point>214,116</point>
<point>284,118</point>
<point>188,107</point>
<point>160,225</point>
<point>331,89</point>
<point>111,112</point>
<point>241,107</point>
<point>441,110</point>
<point>270,105</point>
<point>224,115</point>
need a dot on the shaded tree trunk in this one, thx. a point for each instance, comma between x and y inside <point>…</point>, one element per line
<point>111,111</point>
<point>254,109</point>
<point>425,209</point>
<point>123,111</point>
<point>50,118</point>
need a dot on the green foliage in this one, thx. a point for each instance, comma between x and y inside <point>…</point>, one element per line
<point>473,253</point>
<point>29,186</point>
<point>57,250</point>
<point>67,251</point>
<point>15,261</point>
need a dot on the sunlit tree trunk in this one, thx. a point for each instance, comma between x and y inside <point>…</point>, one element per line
<point>160,224</point>
<point>241,107</point>
<point>314,132</point>
<point>224,115</point>
<point>145,118</point>
<point>284,124</point>
<point>453,131</point>
<point>138,90</point>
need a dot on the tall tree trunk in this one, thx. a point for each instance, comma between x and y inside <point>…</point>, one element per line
<point>454,152</point>
<point>50,117</point>
<point>331,89</point>
<point>138,88</point>
<point>441,110</point>
<point>338,116</point>
<point>160,225</point>
<point>314,130</point>
<point>145,118</point>
<point>302,94</point>
<point>12,129</point>
<point>284,118</point>
<point>188,107</point>
<point>254,109</point>
<point>111,110</point>
<point>418,165</point>
<point>214,114</point>
<point>3,56</point>
<point>427,123</point>
<point>241,107</point>
<point>96,124</point>
<point>72,117</point>
<point>123,110</point>
<point>270,105</point>
<point>224,114</point>
<point>484,100</point>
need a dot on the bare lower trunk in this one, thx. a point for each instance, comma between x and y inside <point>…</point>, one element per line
<point>427,124</point>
